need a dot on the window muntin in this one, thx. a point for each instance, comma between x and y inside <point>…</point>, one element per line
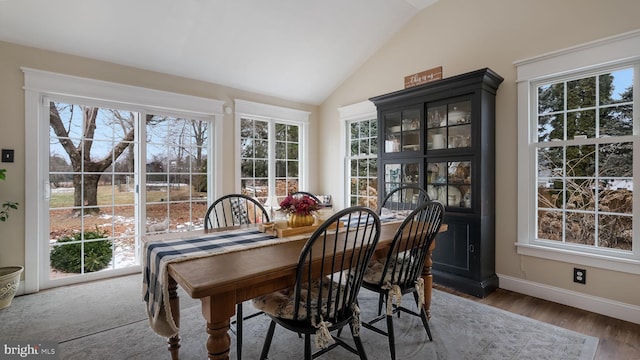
<point>584,160</point>
<point>362,150</point>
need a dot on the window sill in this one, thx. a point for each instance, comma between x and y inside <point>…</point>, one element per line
<point>630,266</point>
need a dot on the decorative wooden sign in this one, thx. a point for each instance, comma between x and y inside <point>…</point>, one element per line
<point>423,77</point>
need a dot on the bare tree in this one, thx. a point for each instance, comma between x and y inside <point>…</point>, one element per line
<point>85,169</point>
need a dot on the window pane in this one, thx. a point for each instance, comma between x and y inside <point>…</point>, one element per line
<point>581,123</point>
<point>364,130</point>
<point>354,167</point>
<point>373,146</point>
<point>292,133</point>
<point>246,128</point>
<point>261,168</point>
<point>354,130</point>
<point>292,151</point>
<point>550,225</point>
<point>550,98</point>
<point>246,148</point>
<point>581,160</point>
<point>261,130</point>
<point>615,232</point>
<point>551,197</point>
<point>581,93</point>
<point>616,121</point>
<point>292,168</point>
<point>281,150</point>
<point>246,168</point>
<point>281,132</point>
<point>261,149</point>
<point>616,87</point>
<point>616,197</point>
<point>580,228</point>
<point>550,162</point>
<point>581,194</point>
<point>551,127</point>
<point>281,168</point>
<point>616,159</point>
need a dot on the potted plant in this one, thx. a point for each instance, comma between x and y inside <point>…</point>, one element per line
<point>10,275</point>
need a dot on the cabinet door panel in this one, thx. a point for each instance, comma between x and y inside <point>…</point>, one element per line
<point>450,182</point>
<point>452,248</point>
<point>401,173</point>
<point>402,131</point>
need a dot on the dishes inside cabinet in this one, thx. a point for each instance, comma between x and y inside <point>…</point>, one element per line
<point>456,116</point>
<point>410,124</point>
<point>411,147</point>
<point>395,128</point>
<point>453,196</point>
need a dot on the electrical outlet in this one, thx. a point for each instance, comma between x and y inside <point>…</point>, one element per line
<point>580,275</point>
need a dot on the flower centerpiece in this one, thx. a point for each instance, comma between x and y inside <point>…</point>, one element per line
<point>300,210</point>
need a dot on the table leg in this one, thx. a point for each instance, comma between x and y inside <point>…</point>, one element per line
<point>427,276</point>
<point>174,341</point>
<point>218,312</point>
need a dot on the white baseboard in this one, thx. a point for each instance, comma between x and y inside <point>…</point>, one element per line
<point>598,305</point>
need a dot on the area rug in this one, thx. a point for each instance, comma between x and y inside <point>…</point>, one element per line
<point>106,320</point>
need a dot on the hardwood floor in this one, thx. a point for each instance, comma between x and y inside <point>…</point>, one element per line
<point>619,340</point>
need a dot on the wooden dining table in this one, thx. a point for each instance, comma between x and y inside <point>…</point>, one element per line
<point>223,280</point>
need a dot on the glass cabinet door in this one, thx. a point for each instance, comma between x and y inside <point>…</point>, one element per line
<point>399,174</point>
<point>450,183</point>
<point>449,125</point>
<point>402,131</point>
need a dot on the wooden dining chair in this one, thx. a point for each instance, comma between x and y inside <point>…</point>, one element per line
<point>234,210</point>
<point>328,278</point>
<point>399,273</point>
<point>403,199</point>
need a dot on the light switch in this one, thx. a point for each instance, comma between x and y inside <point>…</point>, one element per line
<point>7,155</point>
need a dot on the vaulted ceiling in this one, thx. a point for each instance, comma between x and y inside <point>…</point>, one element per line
<point>299,50</point>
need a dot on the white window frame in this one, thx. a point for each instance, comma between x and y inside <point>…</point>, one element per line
<point>623,49</point>
<point>274,114</point>
<point>40,85</point>
<point>364,110</point>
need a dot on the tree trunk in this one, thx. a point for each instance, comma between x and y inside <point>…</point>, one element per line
<point>89,198</point>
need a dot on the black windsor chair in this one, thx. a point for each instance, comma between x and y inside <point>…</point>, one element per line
<point>328,279</point>
<point>400,272</point>
<point>403,199</point>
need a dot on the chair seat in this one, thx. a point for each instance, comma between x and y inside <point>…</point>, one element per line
<point>375,270</point>
<point>281,303</point>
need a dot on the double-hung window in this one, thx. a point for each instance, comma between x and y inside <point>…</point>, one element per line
<point>579,154</point>
<point>272,156</point>
<point>361,139</point>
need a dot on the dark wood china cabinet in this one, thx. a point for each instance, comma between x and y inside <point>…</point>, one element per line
<point>441,136</point>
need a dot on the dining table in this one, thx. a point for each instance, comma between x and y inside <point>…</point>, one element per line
<point>256,265</point>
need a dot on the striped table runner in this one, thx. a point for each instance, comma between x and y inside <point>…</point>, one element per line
<point>157,255</point>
